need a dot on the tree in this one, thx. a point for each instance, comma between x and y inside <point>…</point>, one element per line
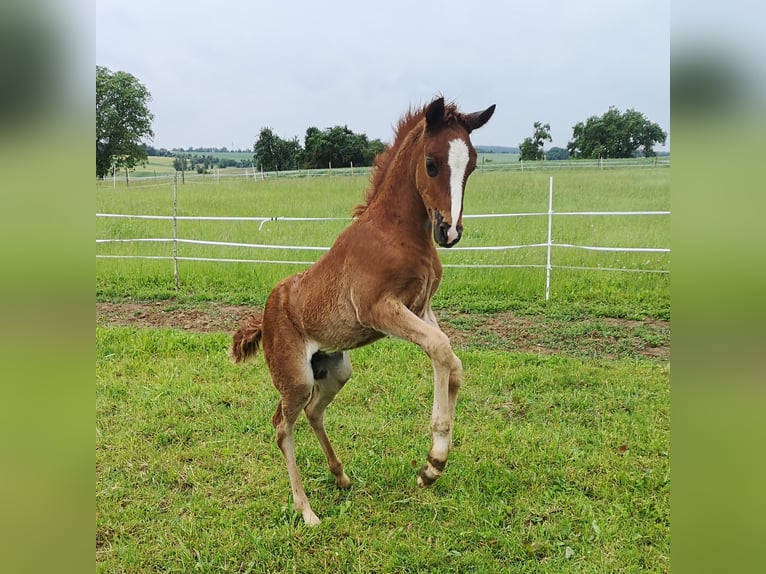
<point>272,153</point>
<point>531,149</point>
<point>556,153</point>
<point>615,135</point>
<point>338,146</point>
<point>123,120</point>
<point>181,163</point>
<point>375,148</point>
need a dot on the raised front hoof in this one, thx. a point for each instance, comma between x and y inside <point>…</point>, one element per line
<point>343,481</point>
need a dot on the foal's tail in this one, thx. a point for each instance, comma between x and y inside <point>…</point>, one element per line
<point>246,340</point>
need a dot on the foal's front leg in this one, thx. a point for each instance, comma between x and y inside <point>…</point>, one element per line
<point>456,376</point>
<point>448,375</point>
<point>393,318</point>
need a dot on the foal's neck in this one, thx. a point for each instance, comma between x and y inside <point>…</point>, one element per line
<point>397,200</point>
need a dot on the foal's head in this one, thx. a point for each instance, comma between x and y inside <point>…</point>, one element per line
<point>448,159</point>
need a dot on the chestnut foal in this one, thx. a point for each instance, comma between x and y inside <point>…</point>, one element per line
<point>376,280</point>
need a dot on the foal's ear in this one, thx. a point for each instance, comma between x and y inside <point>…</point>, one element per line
<point>435,112</point>
<point>477,119</point>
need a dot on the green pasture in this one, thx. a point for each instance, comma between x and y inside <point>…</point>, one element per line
<point>601,293</point>
<point>559,464</point>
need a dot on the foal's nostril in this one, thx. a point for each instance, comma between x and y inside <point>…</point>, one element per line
<point>441,231</point>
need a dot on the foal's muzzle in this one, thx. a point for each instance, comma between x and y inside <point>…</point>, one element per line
<point>442,231</point>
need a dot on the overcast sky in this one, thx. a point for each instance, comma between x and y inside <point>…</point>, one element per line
<point>220,71</point>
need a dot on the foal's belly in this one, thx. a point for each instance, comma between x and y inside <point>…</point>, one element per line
<point>333,341</point>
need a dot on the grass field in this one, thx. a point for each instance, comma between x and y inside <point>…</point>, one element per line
<point>559,465</point>
<point>560,461</point>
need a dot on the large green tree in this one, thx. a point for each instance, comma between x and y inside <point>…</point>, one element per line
<point>556,153</point>
<point>531,149</point>
<point>123,120</point>
<point>615,135</point>
<point>338,146</point>
<point>272,153</point>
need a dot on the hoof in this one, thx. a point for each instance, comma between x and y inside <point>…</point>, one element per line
<point>425,481</point>
<point>342,481</point>
<point>427,476</point>
<point>310,518</point>
<point>430,472</point>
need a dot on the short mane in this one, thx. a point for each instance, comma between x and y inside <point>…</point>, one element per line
<point>383,160</point>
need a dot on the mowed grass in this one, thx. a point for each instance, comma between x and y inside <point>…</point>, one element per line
<point>560,464</point>
<point>574,291</point>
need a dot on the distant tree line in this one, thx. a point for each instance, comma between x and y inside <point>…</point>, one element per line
<point>164,152</point>
<point>123,122</point>
<point>204,163</point>
<point>332,147</point>
<point>154,152</point>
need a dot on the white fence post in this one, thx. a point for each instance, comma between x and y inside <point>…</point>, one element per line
<point>175,232</point>
<point>550,242</point>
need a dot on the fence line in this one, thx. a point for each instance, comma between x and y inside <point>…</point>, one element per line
<point>211,259</point>
<point>222,217</point>
<point>281,218</point>
<point>549,244</point>
<point>263,220</point>
<point>321,248</point>
<point>616,249</point>
<point>600,163</point>
<point>218,243</point>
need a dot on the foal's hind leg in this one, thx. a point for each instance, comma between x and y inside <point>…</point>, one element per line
<point>292,377</point>
<point>331,371</point>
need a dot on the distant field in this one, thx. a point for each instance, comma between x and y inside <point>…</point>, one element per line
<point>498,158</point>
<point>161,166</point>
<point>225,155</point>
<point>603,293</point>
<point>154,166</point>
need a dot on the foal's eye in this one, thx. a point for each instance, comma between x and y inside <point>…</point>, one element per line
<point>431,167</point>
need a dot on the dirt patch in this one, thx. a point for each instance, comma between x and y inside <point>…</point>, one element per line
<point>208,318</point>
<point>595,337</point>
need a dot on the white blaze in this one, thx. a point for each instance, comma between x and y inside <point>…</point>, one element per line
<point>458,162</point>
